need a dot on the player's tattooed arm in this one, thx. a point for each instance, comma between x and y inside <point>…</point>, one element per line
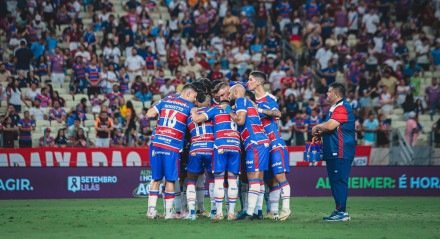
<point>270,113</point>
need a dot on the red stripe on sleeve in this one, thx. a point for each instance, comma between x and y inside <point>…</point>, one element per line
<point>340,114</point>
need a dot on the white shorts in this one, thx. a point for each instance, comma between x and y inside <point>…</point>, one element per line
<point>102,142</point>
<point>57,79</point>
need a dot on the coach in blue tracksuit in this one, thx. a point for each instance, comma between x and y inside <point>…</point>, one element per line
<point>338,138</point>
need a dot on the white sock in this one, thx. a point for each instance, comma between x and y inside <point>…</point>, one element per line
<point>285,195</point>
<point>200,192</point>
<point>211,194</point>
<point>254,192</point>
<point>178,197</point>
<point>184,198</point>
<point>152,200</point>
<point>244,189</point>
<point>169,200</point>
<point>191,195</point>
<point>274,199</point>
<point>232,193</point>
<point>225,188</point>
<point>260,199</point>
<point>219,194</point>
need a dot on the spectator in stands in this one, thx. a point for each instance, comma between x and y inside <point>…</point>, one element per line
<point>167,88</point>
<point>370,127</point>
<point>61,139</point>
<point>46,140</point>
<point>93,76</point>
<point>9,132</point>
<point>134,64</point>
<point>57,63</point>
<point>412,129</point>
<point>73,129</point>
<point>23,56</point>
<point>14,95</point>
<point>25,126</point>
<point>45,98</point>
<point>300,128</point>
<point>80,140</point>
<point>312,120</point>
<point>130,124</point>
<point>104,126</point>
<point>144,95</point>
<point>432,97</point>
<point>57,113</point>
<point>118,138</point>
<point>4,73</point>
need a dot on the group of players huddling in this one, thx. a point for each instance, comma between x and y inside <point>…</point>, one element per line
<point>233,141</point>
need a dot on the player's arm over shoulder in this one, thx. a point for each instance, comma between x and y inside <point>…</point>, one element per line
<point>154,110</point>
<point>199,117</point>
<point>240,111</point>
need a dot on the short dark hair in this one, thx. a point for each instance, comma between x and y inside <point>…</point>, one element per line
<point>339,88</point>
<point>189,87</point>
<point>259,74</point>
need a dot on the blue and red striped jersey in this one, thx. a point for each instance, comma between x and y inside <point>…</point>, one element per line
<point>93,72</point>
<point>268,102</point>
<point>226,135</point>
<point>340,143</point>
<point>202,134</point>
<point>252,132</point>
<point>171,126</point>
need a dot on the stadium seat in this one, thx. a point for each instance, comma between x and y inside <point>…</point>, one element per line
<point>153,124</point>
<point>71,104</point>
<point>42,124</point>
<point>89,123</point>
<point>157,97</point>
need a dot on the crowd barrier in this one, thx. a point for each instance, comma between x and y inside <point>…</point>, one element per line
<point>39,173</point>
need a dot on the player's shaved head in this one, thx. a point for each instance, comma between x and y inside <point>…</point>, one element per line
<point>237,91</point>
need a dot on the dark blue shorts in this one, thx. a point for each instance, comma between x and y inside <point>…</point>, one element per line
<point>226,160</point>
<point>164,163</point>
<point>199,162</point>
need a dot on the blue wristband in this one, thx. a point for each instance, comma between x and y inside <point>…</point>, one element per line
<point>228,109</point>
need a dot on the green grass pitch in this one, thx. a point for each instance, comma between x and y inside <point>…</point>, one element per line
<point>391,217</point>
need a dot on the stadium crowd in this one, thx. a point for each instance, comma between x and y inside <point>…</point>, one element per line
<point>89,70</point>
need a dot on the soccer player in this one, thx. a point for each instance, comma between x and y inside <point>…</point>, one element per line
<point>167,145</point>
<point>278,158</point>
<point>338,138</point>
<point>256,145</point>
<point>226,155</point>
<point>200,155</point>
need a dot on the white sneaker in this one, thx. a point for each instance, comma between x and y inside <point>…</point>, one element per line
<point>285,214</point>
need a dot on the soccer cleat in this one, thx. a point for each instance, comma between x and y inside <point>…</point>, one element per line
<point>212,214</point>
<point>151,214</point>
<point>273,216</point>
<point>284,214</point>
<point>218,217</point>
<point>337,216</point>
<point>171,216</point>
<point>244,216</point>
<point>191,217</point>
<point>231,217</point>
<point>258,216</point>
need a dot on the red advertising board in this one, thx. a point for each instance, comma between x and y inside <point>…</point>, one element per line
<point>118,157</point>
